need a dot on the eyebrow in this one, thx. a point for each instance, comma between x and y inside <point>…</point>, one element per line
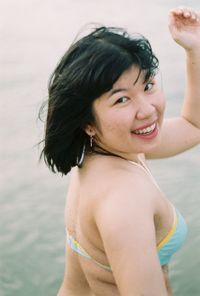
<point>114,91</point>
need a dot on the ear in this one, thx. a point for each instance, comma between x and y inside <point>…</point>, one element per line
<point>90,130</point>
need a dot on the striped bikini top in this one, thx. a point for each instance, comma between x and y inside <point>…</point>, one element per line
<point>171,243</point>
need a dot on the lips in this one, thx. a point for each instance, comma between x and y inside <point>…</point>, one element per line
<point>147,132</point>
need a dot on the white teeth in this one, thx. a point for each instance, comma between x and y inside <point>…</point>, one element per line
<point>145,130</point>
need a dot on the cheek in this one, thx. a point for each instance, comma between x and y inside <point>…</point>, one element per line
<point>111,124</point>
<point>160,102</point>
<point>115,122</point>
<point>163,104</point>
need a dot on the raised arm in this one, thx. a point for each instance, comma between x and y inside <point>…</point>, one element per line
<point>185,29</point>
<point>125,220</point>
<point>180,134</point>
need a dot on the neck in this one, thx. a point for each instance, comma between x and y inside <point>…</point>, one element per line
<point>99,150</point>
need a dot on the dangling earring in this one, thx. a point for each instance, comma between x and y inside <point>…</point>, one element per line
<point>91,141</point>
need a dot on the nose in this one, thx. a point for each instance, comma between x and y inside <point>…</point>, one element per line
<point>145,109</point>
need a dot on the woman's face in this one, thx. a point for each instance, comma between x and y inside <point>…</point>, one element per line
<point>129,116</point>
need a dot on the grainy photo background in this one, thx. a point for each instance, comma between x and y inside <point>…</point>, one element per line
<point>33,36</point>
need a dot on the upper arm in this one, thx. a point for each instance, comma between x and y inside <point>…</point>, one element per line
<point>177,135</point>
<point>126,225</point>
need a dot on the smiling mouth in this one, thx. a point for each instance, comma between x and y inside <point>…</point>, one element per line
<point>145,131</point>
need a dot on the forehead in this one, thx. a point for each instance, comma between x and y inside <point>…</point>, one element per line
<point>129,77</point>
<point>133,77</point>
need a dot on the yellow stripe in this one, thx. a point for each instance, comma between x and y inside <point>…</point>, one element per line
<point>170,233</point>
<point>77,245</point>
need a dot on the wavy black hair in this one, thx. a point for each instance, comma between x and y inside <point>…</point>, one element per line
<point>87,70</point>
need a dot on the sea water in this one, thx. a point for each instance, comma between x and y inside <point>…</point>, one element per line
<point>34,35</point>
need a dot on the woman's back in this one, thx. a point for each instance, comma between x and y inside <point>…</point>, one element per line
<point>82,199</point>
<point>89,186</point>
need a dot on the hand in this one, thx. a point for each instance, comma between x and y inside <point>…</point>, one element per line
<point>184,26</point>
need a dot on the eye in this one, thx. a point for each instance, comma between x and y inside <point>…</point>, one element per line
<point>121,100</point>
<point>149,86</point>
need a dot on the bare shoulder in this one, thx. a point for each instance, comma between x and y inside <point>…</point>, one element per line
<point>130,196</point>
<point>112,171</point>
<point>125,219</point>
<point>131,187</point>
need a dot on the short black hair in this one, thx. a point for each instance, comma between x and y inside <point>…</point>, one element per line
<point>87,70</point>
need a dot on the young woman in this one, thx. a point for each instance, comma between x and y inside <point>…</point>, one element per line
<point>105,116</point>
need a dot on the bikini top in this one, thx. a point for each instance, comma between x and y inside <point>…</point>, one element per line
<point>170,244</point>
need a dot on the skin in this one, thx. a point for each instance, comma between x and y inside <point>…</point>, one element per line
<point>139,104</point>
<point>107,184</point>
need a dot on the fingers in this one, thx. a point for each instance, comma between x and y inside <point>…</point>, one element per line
<point>186,13</point>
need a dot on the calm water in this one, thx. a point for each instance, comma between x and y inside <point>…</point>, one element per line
<point>34,34</point>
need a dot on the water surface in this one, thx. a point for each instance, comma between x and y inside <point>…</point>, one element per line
<point>34,35</point>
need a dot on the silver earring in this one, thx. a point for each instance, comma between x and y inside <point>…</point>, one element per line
<point>91,141</point>
<point>82,157</point>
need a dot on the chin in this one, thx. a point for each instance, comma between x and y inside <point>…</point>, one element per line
<point>151,147</point>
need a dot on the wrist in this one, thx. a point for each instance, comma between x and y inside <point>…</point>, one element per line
<point>194,51</point>
<point>193,54</point>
